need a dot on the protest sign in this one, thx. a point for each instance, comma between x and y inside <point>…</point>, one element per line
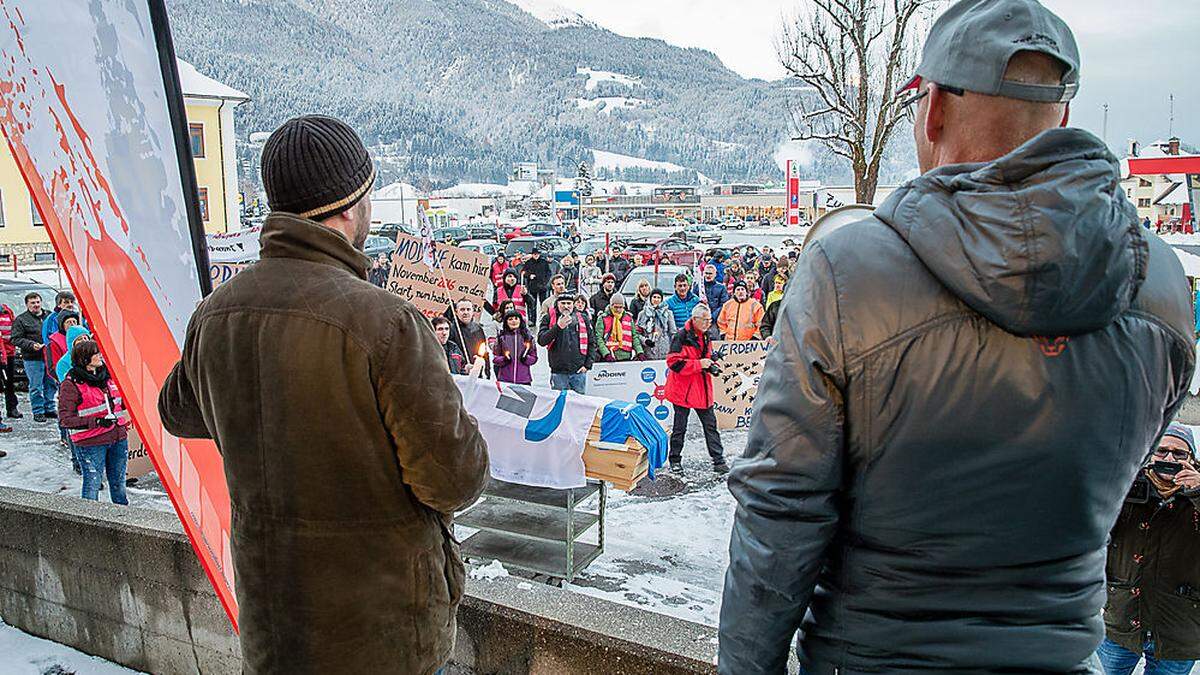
<point>238,246</point>
<point>460,274</point>
<point>734,389</point>
<point>642,382</point>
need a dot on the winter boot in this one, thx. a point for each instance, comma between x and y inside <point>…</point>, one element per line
<point>39,418</point>
<point>15,414</point>
<point>676,468</point>
<point>720,467</point>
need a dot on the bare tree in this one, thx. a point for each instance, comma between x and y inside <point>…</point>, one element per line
<point>851,56</point>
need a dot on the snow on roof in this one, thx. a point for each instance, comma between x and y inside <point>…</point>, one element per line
<point>396,191</point>
<point>481,190</point>
<point>1190,261</point>
<point>1176,193</point>
<point>198,85</point>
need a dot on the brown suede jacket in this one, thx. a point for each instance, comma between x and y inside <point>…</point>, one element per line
<point>346,449</point>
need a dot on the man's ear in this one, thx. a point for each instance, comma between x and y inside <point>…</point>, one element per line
<point>934,113</point>
<point>1066,116</point>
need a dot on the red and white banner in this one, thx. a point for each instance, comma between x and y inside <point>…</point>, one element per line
<point>91,108</point>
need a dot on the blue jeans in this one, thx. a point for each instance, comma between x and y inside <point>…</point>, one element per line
<point>42,388</point>
<point>101,461</point>
<point>1120,661</point>
<point>576,382</point>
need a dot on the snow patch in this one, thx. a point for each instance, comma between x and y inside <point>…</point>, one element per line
<point>489,572</point>
<point>21,652</point>
<point>552,14</point>
<point>607,104</point>
<point>595,77</point>
<point>604,159</point>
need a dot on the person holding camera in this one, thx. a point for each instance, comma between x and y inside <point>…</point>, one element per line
<point>1153,608</point>
<point>690,367</point>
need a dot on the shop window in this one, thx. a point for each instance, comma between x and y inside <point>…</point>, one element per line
<point>204,204</point>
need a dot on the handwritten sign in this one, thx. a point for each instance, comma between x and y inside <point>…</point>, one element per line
<point>461,274</point>
<point>221,273</point>
<point>734,390</point>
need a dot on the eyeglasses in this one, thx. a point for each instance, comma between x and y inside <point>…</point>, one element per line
<point>1181,455</point>
<point>909,105</point>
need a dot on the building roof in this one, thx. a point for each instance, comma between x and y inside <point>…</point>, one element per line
<point>1176,192</point>
<point>198,85</point>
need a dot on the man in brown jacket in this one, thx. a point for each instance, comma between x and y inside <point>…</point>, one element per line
<point>345,442</point>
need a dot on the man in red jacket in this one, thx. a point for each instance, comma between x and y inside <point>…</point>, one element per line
<point>8,361</point>
<point>689,387</point>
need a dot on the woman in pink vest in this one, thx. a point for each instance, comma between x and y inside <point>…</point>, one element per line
<point>91,409</point>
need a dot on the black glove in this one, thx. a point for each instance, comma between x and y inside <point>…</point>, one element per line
<point>106,422</point>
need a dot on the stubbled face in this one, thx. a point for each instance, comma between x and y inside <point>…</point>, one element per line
<point>465,312</point>
<point>566,306</point>
<point>702,322</point>
<point>1172,449</point>
<point>710,275</point>
<point>34,305</point>
<point>681,288</point>
<point>740,294</point>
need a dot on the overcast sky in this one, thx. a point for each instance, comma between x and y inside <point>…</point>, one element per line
<point>1134,52</point>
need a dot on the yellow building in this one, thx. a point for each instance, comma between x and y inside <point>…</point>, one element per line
<point>209,106</point>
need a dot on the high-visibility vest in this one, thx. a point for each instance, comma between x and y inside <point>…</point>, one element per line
<point>626,343</point>
<point>518,297</point>
<point>96,402</point>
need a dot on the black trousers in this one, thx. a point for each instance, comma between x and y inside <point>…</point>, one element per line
<point>9,372</point>
<point>712,438</point>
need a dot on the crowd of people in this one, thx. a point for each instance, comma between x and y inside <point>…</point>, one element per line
<point>69,385</point>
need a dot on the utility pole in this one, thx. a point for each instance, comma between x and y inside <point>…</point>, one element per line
<point>1171,118</point>
<point>1105,132</point>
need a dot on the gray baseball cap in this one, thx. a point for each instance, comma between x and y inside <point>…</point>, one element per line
<point>970,45</point>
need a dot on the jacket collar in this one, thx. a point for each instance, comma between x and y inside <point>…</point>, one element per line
<point>285,235</point>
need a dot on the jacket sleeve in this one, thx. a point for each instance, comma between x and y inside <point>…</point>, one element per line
<point>637,343</point>
<point>547,332</point>
<point>601,344</point>
<point>768,322</point>
<point>178,406</point>
<point>24,339</point>
<point>68,408</point>
<point>786,485</point>
<point>680,362</point>
<point>443,457</point>
<point>723,319</point>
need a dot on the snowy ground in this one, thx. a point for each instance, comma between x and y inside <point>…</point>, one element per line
<point>24,654</point>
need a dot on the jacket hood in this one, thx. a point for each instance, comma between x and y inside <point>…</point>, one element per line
<point>74,333</point>
<point>1041,241</point>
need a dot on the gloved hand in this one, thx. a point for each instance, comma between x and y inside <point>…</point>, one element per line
<point>641,357</point>
<point>610,358</point>
<point>106,422</point>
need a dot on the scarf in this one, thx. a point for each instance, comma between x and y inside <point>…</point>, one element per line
<point>96,379</point>
<point>581,321</point>
<point>620,332</point>
<point>1165,487</point>
<point>616,336</point>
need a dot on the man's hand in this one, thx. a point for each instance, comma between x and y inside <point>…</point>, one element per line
<point>706,363</point>
<point>564,321</point>
<point>581,370</point>
<point>1188,478</point>
<point>39,346</point>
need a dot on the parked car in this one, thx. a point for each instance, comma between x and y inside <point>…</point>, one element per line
<point>595,246</point>
<point>554,248</point>
<point>392,230</point>
<point>663,279</point>
<point>700,234</point>
<point>510,232</point>
<point>12,293</point>
<point>378,244</point>
<point>652,250</point>
<point>482,231</point>
<point>489,247</point>
<point>451,235</point>
<point>658,221</point>
<point>733,224</point>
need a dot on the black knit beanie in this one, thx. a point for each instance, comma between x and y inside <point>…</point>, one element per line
<point>316,167</point>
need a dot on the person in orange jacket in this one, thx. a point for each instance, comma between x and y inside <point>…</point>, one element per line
<point>742,316</point>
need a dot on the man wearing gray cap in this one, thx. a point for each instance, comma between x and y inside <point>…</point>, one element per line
<point>964,387</point>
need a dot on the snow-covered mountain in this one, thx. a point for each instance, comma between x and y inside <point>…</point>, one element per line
<point>553,14</point>
<point>460,90</point>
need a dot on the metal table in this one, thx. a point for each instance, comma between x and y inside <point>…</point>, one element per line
<point>535,529</point>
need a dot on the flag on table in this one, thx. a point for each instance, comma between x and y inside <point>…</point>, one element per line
<point>428,250</point>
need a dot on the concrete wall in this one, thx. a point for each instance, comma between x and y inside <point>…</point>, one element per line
<point>124,584</point>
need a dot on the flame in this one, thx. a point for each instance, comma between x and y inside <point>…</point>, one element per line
<point>482,349</point>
